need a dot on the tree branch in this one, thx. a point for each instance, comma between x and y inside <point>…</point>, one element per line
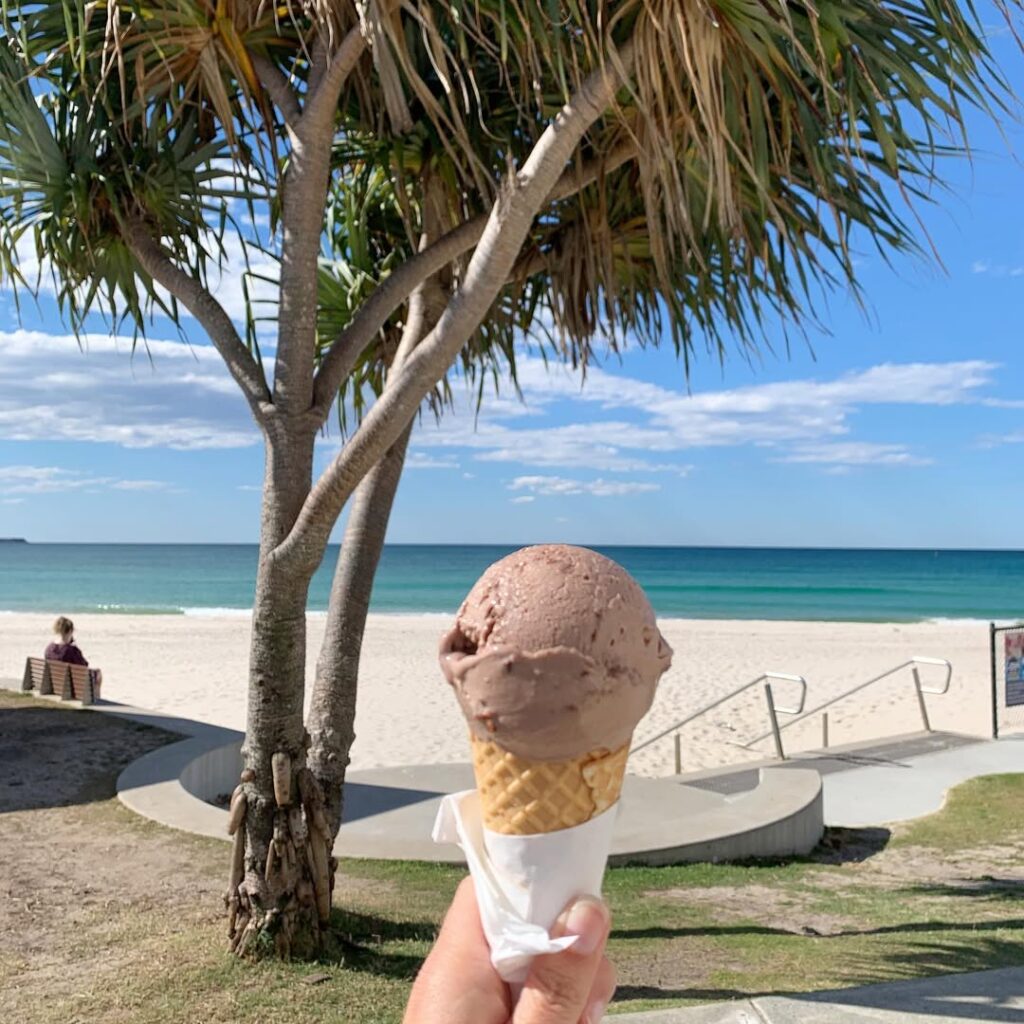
<point>506,230</point>
<point>302,223</point>
<point>207,310</point>
<point>328,75</point>
<point>349,343</point>
<point>278,88</point>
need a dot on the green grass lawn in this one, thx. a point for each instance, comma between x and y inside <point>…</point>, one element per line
<point>140,938</point>
<point>941,896</point>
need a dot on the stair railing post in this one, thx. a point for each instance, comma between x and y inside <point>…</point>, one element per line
<point>920,699</point>
<point>776,732</point>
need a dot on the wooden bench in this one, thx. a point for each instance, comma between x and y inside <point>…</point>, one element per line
<point>69,682</point>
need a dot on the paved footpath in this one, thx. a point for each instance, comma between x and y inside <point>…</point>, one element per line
<point>905,788</point>
<point>986,996</point>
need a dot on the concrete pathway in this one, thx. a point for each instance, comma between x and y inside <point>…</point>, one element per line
<point>850,756</point>
<point>884,781</point>
<point>996,996</point>
<point>901,789</point>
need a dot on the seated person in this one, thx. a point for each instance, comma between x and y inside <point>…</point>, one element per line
<point>67,650</point>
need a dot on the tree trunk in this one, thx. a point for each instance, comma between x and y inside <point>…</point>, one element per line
<point>333,709</point>
<point>279,888</point>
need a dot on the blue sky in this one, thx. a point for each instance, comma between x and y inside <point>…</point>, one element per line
<point>904,427</point>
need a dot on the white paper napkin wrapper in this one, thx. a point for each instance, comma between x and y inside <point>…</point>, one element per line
<point>524,882</point>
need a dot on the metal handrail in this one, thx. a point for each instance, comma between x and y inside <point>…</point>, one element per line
<point>773,710</point>
<point>921,690</point>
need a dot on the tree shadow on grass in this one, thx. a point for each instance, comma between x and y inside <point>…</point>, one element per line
<point>381,963</point>
<point>628,993</point>
<point>987,887</point>
<point>837,846</point>
<point>981,953</point>
<point>930,963</point>
<point>696,932</point>
<point>850,845</point>
<point>909,928</point>
<point>362,942</point>
<point>954,981</point>
<point>53,756</point>
<point>373,928</point>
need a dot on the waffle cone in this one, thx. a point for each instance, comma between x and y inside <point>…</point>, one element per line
<point>527,797</point>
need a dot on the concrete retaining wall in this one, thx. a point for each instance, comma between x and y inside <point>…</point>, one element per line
<point>783,816</point>
<point>213,773</point>
<point>662,823</point>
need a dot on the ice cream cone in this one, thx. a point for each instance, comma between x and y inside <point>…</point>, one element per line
<point>520,797</point>
<point>554,657</point>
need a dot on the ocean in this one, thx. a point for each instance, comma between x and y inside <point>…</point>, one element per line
<point>721,583</point>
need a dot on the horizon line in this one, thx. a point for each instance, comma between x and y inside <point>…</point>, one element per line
<point>519,544</point>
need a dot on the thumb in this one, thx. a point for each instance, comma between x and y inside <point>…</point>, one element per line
<point>558,987</point>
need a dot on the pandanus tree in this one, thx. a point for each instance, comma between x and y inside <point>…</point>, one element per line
<point>438,178</point>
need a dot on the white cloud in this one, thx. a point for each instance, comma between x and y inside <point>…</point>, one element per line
<point>421,460</point>
<point>55,480</point>
<point>181,397</point>
<point>855,453</point>
<point>168,395</point>
<point>1003,403</point>
<point>523,499</point>
<point>249,487</point>
<point>140,485</point>
<point>995,440</point>
<point>624,425</point>
<point>997,269</point>
<point>558,485</point>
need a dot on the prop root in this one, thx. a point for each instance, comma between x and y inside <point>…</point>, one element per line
<point>281,768</point>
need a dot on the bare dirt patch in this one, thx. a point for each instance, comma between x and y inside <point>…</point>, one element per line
<point>73,859</point>
<point>52,756</point>
<point>780,909</point>
<point>90,894</point>
<point>920,864</point>
<point>866,862</point>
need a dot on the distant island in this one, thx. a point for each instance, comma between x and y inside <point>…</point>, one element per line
<point>13,540</point>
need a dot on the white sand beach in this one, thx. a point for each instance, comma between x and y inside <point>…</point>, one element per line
<point>195,666</point>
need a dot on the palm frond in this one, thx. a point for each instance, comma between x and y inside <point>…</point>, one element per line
<point>73,174</point>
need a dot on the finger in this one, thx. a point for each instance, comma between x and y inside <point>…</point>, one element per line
<point>558,986</point>
<point>461,930</point>
<point>457,982</point>
<point>601,993</point>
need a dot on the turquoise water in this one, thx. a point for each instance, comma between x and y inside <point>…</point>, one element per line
<point>734,583</point>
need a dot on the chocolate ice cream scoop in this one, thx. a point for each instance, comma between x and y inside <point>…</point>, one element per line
<point>555,653</point>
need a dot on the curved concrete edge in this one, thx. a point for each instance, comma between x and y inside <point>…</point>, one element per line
<point>782,817</point>
<point>153,786</point>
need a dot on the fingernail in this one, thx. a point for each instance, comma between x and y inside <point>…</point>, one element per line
<point>595,1011</point>
<point>587,919</point>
